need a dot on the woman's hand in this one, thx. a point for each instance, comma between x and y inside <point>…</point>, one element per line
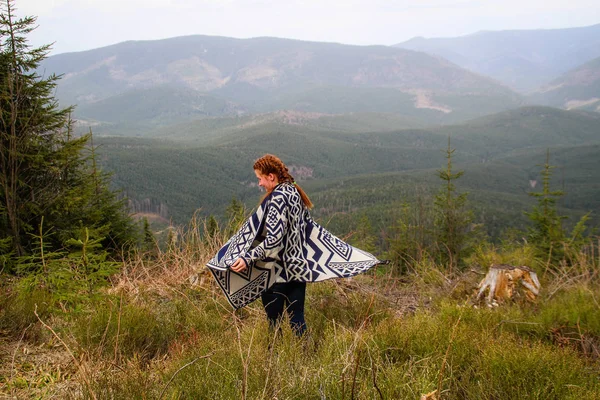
<point>239,265</point>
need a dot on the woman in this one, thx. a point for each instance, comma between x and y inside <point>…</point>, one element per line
<point>280,248</point>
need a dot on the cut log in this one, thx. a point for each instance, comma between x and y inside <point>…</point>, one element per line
<point>502,283</point>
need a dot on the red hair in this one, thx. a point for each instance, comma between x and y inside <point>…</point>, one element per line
<point>270,164</point>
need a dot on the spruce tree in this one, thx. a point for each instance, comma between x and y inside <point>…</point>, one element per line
<point>211,229</point>
<point>546,232</point>
<point>149,243</point>
<point>453,219</point>
<point>30,120</point>
<point>235,215</point>
<point>47,173</point>
<point>87,200</point>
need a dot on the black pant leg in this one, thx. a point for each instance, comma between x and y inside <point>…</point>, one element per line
<point>296,295</point>
<point>274,302</point>
<point>288,296</point>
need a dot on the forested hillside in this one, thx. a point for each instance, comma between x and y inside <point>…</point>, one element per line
<point>353,171</point>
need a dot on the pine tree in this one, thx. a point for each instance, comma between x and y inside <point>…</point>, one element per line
<point>546,232</point>
<point>29,121</point>
<point>453,219</point>
<point>92,203</point>
<point>211,229</point>
<point>235,214</point>
<point>46,172</point>
<point>149,243</point>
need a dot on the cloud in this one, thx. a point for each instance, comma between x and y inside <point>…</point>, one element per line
<point>85,24</point>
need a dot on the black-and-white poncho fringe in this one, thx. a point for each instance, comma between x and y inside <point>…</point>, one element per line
<point>281,242</point>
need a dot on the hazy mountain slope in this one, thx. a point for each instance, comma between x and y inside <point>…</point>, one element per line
<point>426,105</point>
<point>214,130</point>
<point>156,106</point>
<point>343,156</point>
<point>181,178</point>
<point>267,74</point>
<point>487,137</point>
<point>576,89</point>
<point>521,59</point>
<point>497,135</point>
<point>481,140</point>
<point>206,63</point>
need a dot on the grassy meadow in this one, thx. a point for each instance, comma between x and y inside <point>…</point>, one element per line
<point>161,329</point>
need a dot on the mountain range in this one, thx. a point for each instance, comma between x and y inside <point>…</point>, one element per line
<point>364,128</point>
<point>524,60</point>
<point>163,81</point>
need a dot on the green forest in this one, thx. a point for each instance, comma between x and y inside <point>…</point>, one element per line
<point>104,238</point>
<point>371,173</point>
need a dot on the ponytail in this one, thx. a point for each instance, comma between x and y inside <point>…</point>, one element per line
<point>307,203</point>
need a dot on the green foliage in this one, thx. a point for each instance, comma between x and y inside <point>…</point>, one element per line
<point>546,232</point>
<point>99,206</point>
<point>235,215</point>
<point>6,253</point>
<point>17,310</point>
<point>485,254</point>
<point>453,219</point>
<point>578,239</point>
<point>363,237</point>
<point>46,176</point>
<point>357,172</point>
<point>89,261</point>
<point>442,230</point>
<point>149,242</point>
<point>211,229</point>
<point>29,127</point>
<point>133,330</point>
<point>71,275</point>
<point>411,234</point>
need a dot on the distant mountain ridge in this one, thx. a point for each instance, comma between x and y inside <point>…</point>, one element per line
<point>577,89</point>
<point>237,76</point>
<point>522,59</point>
<point>206,63</point>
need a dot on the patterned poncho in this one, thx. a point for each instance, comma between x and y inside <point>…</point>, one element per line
<point>280,243</point>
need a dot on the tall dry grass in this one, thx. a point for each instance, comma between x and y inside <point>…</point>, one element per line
<point>163,330</point>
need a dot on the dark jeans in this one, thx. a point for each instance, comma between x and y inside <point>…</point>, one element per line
<point>286,296</point>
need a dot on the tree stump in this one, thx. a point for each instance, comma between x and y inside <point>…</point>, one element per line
<point>502,283</point>
<point>430,396</point>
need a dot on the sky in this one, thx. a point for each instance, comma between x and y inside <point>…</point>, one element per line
<point>77,25</point>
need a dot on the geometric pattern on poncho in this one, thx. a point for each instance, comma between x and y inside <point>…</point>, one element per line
<point>281,242</point>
